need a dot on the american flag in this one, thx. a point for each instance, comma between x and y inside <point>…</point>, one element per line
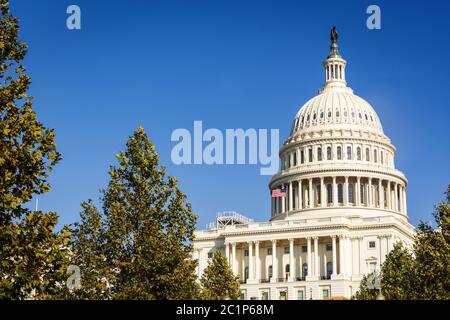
<point>278,193</point>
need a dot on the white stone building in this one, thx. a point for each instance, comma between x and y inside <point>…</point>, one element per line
<point>345,206</point>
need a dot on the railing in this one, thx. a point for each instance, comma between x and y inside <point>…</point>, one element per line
<point>264,280</point>
<point>300,278</point>
<point>327,277</point>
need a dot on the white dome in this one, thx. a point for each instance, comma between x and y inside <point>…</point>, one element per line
<point>334,108</point>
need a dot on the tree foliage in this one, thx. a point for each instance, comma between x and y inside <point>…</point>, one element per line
<point>31,254</point>
<point>218,281</point>
<point>424,272</point>
<point>139,245</point>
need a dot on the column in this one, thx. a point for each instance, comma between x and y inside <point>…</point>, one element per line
<point>227,251</point>
<point>272,203</point>
<point>335,199</point>
<point>346,192</point>
<point>233,258</point>
<point>283,202</point>
<point>389,197</point>
<point>258,261</point>
<point>316,257</point>
<point>381,193</point>
<point>311,195</point>
<point>342,253</point>
<point>358,191</point>
<point>250,260</point>
<point>300,195</point>
<point>404,200</point>
<point>291,196</point>
<point>361,269</point>
<point>333,237</point>
<point>309,256</point>
<point>274,262</point>
<point>323,193</point>
<point>292,275</point>
<point>396,196</point>
<point>400,194</point>
<point>199,267</point>
<point>370,201</point>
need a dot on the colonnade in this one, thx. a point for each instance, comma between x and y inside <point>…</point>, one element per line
<point>334,191</point>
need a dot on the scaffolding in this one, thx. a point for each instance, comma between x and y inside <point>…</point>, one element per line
<point>228,218</point>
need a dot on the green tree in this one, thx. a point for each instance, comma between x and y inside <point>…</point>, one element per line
<point>31,252</point>
<point>218,281</point>
<point>398,274</point>
<point>366,290</point>
<point>139,245</point>
<point>423,273</point>
<point>432,254</point>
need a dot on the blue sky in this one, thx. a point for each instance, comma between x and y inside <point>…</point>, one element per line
<point>231,64</point>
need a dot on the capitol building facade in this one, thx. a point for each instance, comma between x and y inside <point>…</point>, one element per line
<point>344,209</point>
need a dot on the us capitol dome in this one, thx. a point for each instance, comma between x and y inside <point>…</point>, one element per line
<point>338,204</point>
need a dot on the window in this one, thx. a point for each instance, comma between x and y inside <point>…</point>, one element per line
<point>372,267</point>
<point>305,269</point>
<point>339,153</point>
<point>325,293</point>
<point>295,158</point>
<point>349,153</point>
<point>300,295</point>
<point>329,268</point>
<point>381,157</point>
<point>270,270</point>
<point>286,250</point>
<point>246,253</point>
<point>350,192</point>
<point>329,114</point>
<point>242,295</point>
<point>358,153</point>
<point>265,295</point>
<point>269,251</point>
<point>304,248</point>
<point>314,116</point>
<point>374,155</point>
<point>321,115</point>
<point>367,154</point>
<point>319,154</point>
<point>283,295</point>
<point>310,155</point>
<point>246,273</point>
<point>372,244</point>
<point>328,153</point>
<point>329,247</point>
<point>337,113</point>
<point>287,268</point>
<point>302,156</point>
<point>210,254</point>
<point>340,193</point>
<point>330,193</point>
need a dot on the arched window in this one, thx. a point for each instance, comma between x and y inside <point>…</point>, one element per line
<point>295,159</point>
<point>305,269</point>
<point>328,153</point>
<point>367,154</point>
<point>350,192</point>
<point>302,156</point>
<point>349,153</point>
<point>270,271</point>
<point>340,193</point>
<point>339,153</point>
<point>329,268</point>
<point>310,155</point>
<point>319,154</point>
<point>358,153</point>
<point>329,193</point>
<point>318,194</point>
<point>374,155</point>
